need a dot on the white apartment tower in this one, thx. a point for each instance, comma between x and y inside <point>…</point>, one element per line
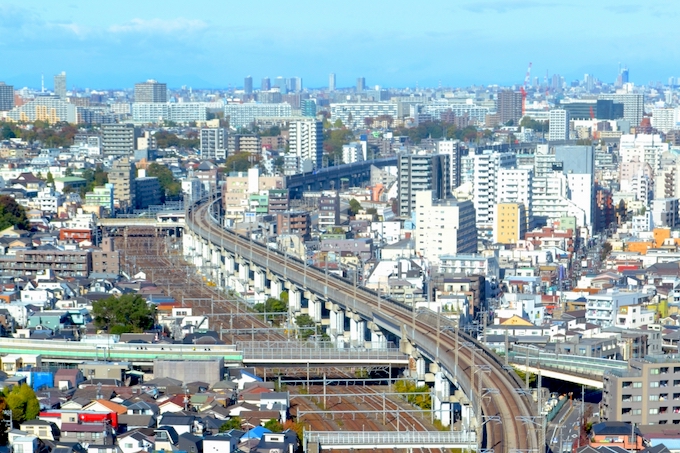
<point>559,125</point>
<point>306,142</point>
<point>452,149</point>
<point>444,227</point>
<point>486,168</point>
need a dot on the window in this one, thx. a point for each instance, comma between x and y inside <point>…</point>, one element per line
<point>637,398</point>
<point>653,397</point>
<point>654,371</point>
<point>653,411</point>
<point>637,411</point>
<point>637,385</point>
<point>652,384</point>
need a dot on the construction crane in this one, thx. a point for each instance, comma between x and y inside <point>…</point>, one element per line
<point>523,89</point>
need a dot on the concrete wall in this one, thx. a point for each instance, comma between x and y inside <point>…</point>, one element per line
<point>210,371</point>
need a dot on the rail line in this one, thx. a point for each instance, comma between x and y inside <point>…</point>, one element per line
<point>510,435</point>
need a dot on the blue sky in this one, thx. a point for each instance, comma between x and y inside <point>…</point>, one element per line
<point>213,43</point>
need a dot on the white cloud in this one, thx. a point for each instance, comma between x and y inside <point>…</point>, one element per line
<point>162,26</point>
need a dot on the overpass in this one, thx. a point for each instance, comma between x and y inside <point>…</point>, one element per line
<point>330,178</point>
<point>503,417</point>
<point>587,371</point>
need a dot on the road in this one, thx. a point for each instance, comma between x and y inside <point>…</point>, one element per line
<point>475,362</point>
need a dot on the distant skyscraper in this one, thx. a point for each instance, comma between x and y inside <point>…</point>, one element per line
<point>509,106</point>
<point>151,91</point>
<point>248,85</point>
<point>60,85</point>
<point>308,107</point>
<point>266,84</point>
<point>280,82</point>
<point>6,97</point>
<point>624,76</point>
<point>331,82</point>
<point>361,84</point>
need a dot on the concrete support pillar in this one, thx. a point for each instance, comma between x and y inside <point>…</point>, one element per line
<point>315,309</point>
<point>229,264</point>
<point>441,404</point>
<point>244,272</point>
<point>378,340</point>
<point>275,287</point>
<point>420,367</point>
<point>357,328</point>
<point>259,279</point>
<point>295,300</point>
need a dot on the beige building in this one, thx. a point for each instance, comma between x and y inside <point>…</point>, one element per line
<point>238,187</point>
<point>511,223</point>
<point>122,176</point>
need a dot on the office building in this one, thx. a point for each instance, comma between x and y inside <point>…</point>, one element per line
<point>51,109</point>
<point>633,105</point>
<point>148,192</point>
<point>151,91</point>
<point>118,139</point>
<point>361,84</point>
<point>6,97</point>
<point>214,143</point>
<point>60,85</point>
<point>646,393</point>
<point>296,223</point>
<point>663,119</point>
<point>559,125</point>
<point>122,176</point>
<point>443,226</point>
<point>511,223</point>
<point>305,140</point>
<point>601,109</point>
<point>452,149</point>
<point>353,114</point>
<point>509,107</point>
<point>243,115</point>
<point>418,173</point>
<point>265,84</point>
<point>248,85</point>
<point>331,81</point>
<point>280,83</point>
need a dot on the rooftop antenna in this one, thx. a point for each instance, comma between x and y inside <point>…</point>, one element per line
<point>42,83</point>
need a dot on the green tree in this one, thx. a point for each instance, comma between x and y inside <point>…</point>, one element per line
<point>23,403</point>
<point>338,123</point>
<point>12,214</point>
<point>232,423</point>
<point>7,132</point>
<point>127,313</point>
<point>273,425</point>
<point>169,184</point>
<point>50,178</point>
<point>306,325</point>
<point>354,206</point>
<point>240,162</point>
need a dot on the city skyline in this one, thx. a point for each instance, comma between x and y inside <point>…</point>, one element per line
<point>215,44</point>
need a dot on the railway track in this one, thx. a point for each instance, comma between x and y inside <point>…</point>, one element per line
<point>510,435</point>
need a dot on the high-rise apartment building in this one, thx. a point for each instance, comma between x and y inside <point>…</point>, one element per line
<point>486,170</point>
<point>308,107</point>
<point>51,109</point>
<point>151,91</point>
<point>331,81</point>
<point>6,97</point>
<point>559,125</point>
<point>443,227</point>
<point>122,176</point>
<point>60,85</point>
<point>509,106</point>
<point>452,149</point>
<point>421,172</point>
<point>305,140</point>
<point>248,85</point>
<point>266,84</point>
<point>214,143</point>
<point>353,114</point>
<point>243,115</point>
<point>663,119</point>
<point>118,139</point>
<point>281,84</point>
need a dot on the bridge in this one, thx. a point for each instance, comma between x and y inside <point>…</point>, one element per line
<point>170,221</point>
<point>504,417</point>
<point>333,177</point>
<point>357,440</point>
<point>587,371</point>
